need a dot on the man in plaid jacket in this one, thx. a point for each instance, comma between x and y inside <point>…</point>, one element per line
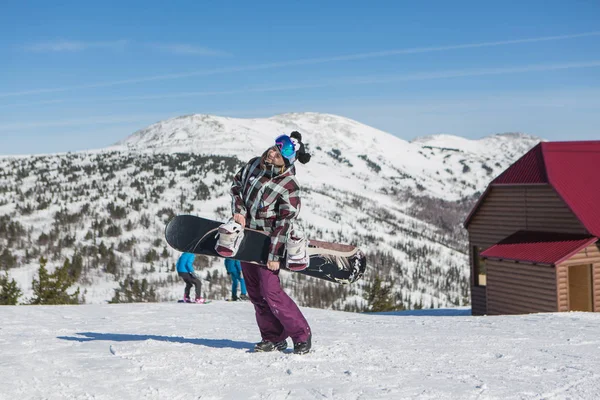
<point>266,196</point>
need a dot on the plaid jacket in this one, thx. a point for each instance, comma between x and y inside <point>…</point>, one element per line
<point>268,199</point>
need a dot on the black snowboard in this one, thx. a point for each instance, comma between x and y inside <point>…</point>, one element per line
<point>339,263</point>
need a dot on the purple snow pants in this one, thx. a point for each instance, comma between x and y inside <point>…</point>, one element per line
<point>277,315</point>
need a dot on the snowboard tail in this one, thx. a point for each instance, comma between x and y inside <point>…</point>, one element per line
<point>339,263</point>
<point>193,302</point>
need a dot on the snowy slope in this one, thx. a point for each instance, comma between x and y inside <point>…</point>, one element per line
<point>362,186</point>
<point>181,351</point>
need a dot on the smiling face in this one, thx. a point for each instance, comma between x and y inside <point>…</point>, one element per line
<point>274,157</point>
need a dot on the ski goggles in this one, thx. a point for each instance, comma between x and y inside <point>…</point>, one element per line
<point>286,146</point>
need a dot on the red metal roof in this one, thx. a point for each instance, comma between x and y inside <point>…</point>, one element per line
<point>539,247</point>
<point>571,168</point>
<point>528,169</point>
<point>574,172</point>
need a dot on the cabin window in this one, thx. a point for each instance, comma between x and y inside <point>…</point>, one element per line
<point>479,270</point>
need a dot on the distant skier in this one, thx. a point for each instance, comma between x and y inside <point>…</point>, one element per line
<point>266,196</point>
<point>185,269</point>
<point>234,270</point>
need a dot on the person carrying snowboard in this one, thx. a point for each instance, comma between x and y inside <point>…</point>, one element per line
<point>266,196</point>
<point>234,269</point>
<point>185,269</point>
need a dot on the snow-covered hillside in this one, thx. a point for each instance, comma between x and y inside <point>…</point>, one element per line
<point>443,166</point>
<point>189,351</point>
<point>401,202</point>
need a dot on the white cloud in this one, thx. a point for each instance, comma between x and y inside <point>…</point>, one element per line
<point>74,46</point>
<point>457,47</point>
<point>32,103</point>
<point>362,80</point>
<point>64,46</point>
<point>308,61</point>
<point>109,119</point>
<point>472,72</point>
<point>187,49</point>
<point>56,46</point>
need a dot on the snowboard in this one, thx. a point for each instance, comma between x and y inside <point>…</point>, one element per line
<point>193,302</point>
<point>339,263</point>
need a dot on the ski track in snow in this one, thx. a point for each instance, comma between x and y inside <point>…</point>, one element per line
<point>177,351</point>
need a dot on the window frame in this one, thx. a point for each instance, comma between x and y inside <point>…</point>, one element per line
<point>479,267</point>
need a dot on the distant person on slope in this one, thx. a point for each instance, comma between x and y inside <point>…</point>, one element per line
<point>185,269</point>
<point>266,196</point>
<point>234,269</point>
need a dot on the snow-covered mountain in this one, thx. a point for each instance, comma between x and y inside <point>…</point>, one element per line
<point>354,151</point>
<point>401,201</point>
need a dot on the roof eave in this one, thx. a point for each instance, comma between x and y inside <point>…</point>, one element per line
<point>515,260</point>
<point>476,207</point>
<point>588,242</point>
<point>583,246</point>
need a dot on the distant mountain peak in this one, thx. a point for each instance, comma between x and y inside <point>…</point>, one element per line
<point>517,135</point>
<point>244,136</point>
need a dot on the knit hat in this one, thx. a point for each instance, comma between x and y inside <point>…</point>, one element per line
<point>301,154</point>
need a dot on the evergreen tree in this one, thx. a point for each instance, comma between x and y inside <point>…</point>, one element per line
<point>52,288</point>
<point>379,296</point>
<point>9,291</point>
<point>76,266</point>
<point>7,260</point>
<point>134,291</point>
<point>112,266</point>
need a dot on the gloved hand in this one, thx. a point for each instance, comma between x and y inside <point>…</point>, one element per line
<point>193,274</point>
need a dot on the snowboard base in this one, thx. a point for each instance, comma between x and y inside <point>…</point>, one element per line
<point>334,262</point>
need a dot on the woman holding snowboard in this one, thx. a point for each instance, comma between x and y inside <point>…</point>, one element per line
<point>266,196</point>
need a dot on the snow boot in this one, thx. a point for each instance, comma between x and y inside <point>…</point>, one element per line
<point>303,347</point>
<point>266,346</point>
<point>230,236</point>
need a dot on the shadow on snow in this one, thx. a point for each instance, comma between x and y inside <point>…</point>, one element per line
<point>125,337</point>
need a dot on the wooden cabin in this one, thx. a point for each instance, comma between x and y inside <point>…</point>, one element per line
<point>533,234</point>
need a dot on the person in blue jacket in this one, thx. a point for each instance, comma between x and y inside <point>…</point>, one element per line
<point>234,269</point>
<point>185,269</point>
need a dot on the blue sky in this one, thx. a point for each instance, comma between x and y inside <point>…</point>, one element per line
<point>80,75</point>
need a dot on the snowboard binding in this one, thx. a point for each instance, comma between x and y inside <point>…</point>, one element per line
<point>297,257</point>
<point>229,238</point>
